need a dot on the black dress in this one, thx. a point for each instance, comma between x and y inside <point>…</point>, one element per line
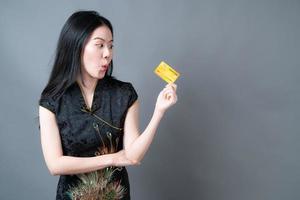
<point>90,132</point>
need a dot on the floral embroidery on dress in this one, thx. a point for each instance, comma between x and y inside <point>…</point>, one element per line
<point>99,185</point>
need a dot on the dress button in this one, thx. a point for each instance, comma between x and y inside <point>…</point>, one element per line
<point>95,125</point>
<point>109,135</point>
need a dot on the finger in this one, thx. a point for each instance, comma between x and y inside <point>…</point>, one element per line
<point>169,91</point>
<point>169,85</point>
<point>172,98</point>
<point>172,86</point>
<point>165,90</point>
<point>170,95</point>
<point>175,98</point>
<point>167,94</point>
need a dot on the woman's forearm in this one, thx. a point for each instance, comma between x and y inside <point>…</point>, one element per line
<point>136,151</point>
<point>66,165</point>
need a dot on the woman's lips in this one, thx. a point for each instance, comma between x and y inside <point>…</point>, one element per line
<point>103,67</point>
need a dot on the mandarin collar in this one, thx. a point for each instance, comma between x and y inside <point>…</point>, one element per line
<point>97,93</point>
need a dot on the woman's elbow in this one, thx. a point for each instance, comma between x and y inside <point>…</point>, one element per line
<point>135,162</point>
<point>54,168</point>
<point>54,171</point>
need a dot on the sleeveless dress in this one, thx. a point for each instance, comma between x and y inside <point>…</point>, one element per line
<point>91,132</point>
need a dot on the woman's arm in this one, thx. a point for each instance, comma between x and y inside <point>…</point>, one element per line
<point>58,164</point>
<point>136,145</point>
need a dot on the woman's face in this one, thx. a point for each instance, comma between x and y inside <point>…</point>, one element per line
<point>97,53</point>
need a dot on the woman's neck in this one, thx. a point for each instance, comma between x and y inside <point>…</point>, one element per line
<point>87,83</point>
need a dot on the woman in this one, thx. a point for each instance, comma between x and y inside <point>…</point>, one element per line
<point>88,119</point>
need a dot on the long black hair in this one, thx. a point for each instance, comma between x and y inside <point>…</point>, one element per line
<point>73,36</point>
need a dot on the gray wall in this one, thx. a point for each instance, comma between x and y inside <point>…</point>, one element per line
<point>234,133</point>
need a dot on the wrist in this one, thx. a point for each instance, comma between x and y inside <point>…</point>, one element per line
<point>113,159</point>
<point>159,112</point>
<point>108,159</point>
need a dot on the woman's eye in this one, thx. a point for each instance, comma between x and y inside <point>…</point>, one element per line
<point>100,45</point>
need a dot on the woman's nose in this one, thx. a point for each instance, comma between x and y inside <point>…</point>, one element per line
<point>106,52</point>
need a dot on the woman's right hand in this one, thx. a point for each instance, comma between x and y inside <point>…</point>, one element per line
<point>120,159</point>
<point>166,98</point>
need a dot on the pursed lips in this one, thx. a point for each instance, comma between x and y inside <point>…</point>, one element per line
<point>104,67</point>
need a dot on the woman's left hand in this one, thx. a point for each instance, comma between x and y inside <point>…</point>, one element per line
<point>166,98</point>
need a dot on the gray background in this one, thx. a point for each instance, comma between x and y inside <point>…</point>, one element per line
<point>234,133</point>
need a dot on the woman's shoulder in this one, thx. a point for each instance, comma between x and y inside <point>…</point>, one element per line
<point>125,88</point>
<point>118,84</point>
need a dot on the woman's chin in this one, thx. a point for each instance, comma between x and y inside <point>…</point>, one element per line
<point>100,75</point>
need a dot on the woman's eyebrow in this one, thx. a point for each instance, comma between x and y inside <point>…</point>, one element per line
<point>99,38</point>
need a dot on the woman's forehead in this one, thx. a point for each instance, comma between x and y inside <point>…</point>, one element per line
<point>102,33</point>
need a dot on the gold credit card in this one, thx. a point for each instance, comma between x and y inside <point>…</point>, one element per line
<point>166,72</point>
